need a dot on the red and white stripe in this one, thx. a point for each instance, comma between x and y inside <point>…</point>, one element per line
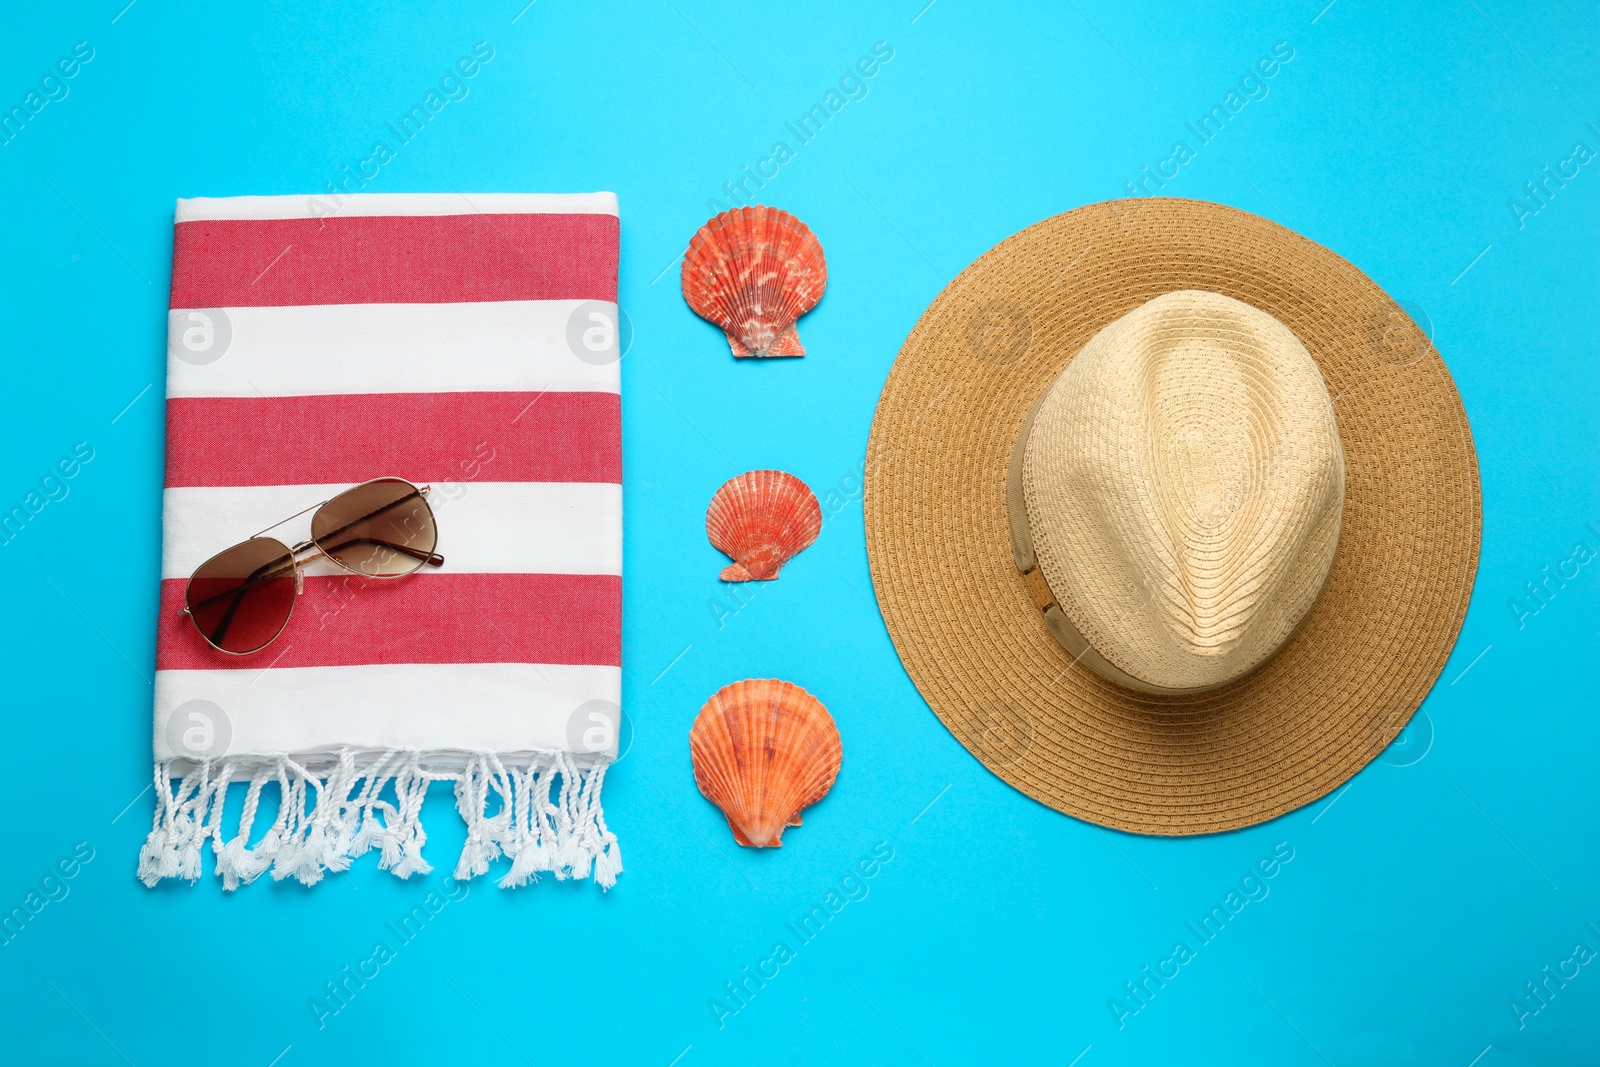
<point>425,337</point>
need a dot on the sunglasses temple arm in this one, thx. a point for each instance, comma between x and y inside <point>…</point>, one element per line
<point>369,515</point>
<point>227,620</point>
<point>244,587</point>
<point>433,559</point>
<point>238,598</point>
<point>430,558</point>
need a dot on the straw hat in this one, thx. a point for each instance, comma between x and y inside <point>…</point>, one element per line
<point>1173,515</point>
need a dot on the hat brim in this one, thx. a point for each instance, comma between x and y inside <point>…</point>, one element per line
<point>963,622</point>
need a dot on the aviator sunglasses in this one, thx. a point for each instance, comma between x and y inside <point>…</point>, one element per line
<point>241,599</point>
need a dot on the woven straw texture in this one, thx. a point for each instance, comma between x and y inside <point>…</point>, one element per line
<point>1183,485</point>
<point>962,619</point>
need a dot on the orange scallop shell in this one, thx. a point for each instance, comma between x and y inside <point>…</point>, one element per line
<point>754,271</point>
<point>762,750</point>
<point>763,519</point>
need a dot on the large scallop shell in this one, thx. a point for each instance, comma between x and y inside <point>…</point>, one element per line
<point>753,271</point>
<point>764,749</point>
<point>763,519</point>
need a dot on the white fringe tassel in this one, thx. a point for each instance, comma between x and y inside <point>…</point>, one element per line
<point>564,834</point>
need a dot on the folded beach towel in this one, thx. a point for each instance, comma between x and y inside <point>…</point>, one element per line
<point>464,342</point>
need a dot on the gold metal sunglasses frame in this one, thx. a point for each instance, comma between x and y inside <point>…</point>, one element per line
<point>432,559</point>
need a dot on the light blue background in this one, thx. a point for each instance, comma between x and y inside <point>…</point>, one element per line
<point>1418,902</point>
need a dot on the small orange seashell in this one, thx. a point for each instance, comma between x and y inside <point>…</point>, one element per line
<point>754,271</point>
<point>763,519</point>
<point>762,750</point>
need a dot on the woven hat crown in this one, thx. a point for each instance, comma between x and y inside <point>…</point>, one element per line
<point>1183,482</point>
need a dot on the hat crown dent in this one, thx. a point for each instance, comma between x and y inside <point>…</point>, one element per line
<point>1184,484</point>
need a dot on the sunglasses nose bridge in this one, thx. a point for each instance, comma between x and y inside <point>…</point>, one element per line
<point>299,575</point>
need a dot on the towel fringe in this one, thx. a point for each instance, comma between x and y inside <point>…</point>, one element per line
<point>564,839</point>
<point>546,818</point>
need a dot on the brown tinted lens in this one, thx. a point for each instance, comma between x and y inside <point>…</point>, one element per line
<point>380,529</point>
<point>241,598</point>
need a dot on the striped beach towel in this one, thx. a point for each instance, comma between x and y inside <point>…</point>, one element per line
<point>464,342</point>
